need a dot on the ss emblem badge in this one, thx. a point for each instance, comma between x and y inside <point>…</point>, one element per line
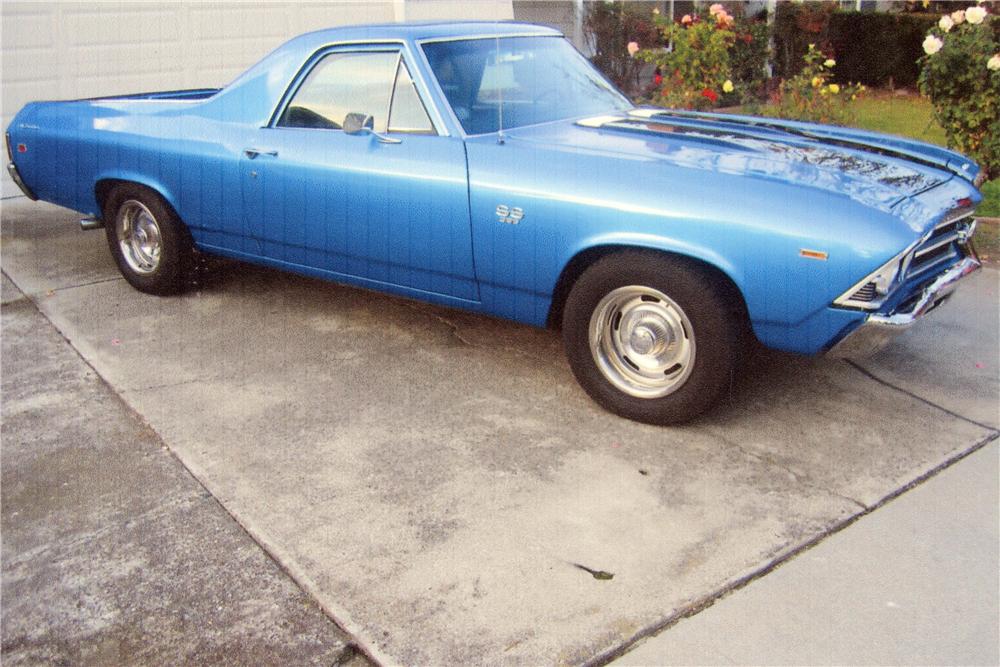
<point>508,215</point>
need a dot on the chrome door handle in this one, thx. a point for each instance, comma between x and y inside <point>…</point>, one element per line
<point>254,152</point>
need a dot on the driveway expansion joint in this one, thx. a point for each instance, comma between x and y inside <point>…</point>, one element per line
<point>702,603</point>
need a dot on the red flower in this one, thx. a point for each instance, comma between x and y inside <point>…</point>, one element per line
<point>748,38</point>
<point>658,79</point>
<point>710,94</point>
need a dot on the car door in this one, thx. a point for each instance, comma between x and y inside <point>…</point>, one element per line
<point>388,206</point>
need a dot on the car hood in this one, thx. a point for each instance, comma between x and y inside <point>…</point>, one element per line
<point>876,170</point>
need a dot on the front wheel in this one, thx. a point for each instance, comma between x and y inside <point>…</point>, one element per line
<point>651,337</point>
<point>150,244</point>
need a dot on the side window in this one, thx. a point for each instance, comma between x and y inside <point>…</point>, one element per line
<point>376,83</point>
<point>407,113</point>
<point>343,83</point>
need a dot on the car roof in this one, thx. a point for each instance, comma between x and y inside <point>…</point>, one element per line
<point>257,90</point>
<point>418,31</point>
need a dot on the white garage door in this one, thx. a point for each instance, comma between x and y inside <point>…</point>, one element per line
<point>68,50</point>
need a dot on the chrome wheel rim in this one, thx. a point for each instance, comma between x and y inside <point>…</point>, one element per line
<point>138,237</point>
<point>642,341</point>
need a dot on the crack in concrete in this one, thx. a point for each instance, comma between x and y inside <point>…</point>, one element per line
<point>871,376</point>
<point>170,385</point>
<point>92,282</point>
<point>804,480</point>
<point>456,332</point>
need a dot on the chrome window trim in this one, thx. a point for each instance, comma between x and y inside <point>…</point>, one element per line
<point>401,62</point>
<point>392,91</point>
<point>317,54</point>
<point>467,38</point>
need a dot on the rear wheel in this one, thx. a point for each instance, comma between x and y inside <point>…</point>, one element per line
<point>651,337</point>
<point>150,244</point>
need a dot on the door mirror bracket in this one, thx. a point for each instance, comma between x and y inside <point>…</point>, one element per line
<point>361,123</point>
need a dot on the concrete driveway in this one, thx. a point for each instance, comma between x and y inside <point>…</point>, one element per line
<point>435,479</point>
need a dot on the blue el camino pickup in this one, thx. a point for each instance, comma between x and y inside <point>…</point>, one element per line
<point>489,167</point>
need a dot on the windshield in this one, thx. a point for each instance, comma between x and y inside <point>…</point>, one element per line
<point>537,79</point>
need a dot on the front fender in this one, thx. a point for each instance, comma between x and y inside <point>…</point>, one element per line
<point>665,244</point>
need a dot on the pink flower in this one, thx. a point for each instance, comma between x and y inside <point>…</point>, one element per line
<point>958,16</point>
<point>633,48</point>
<point>686,20</point>
<point>715,9</point>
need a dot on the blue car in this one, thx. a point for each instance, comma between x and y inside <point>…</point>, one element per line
<point>490,167</point>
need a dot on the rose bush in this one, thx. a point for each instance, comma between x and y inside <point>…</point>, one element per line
<point>695,71</point>
<point>960,72</point>
<point>809,95</point>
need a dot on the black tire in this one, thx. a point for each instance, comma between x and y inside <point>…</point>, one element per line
<point>150,244</point>
<point>673,315</point>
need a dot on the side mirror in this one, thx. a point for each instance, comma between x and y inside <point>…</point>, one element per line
<point>358,123</point>
<point>362,123</point>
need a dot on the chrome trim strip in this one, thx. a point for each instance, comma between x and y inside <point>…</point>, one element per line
<point>955,216</point>
<point>944,240</point>
<point>392,93</point>
<point>877,330</point>
<point>466,38</point>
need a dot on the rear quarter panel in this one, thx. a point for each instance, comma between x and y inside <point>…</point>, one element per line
<point>190,159</point>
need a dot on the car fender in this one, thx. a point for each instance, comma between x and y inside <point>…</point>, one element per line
<point>131,176</point>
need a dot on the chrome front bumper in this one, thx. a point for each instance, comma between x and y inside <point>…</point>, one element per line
<point>877,330</point>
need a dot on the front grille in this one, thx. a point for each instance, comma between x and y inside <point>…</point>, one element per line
<point>943,243</point>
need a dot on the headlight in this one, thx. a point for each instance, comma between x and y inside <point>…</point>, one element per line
<point>870,292</point>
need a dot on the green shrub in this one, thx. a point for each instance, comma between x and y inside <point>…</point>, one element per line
<point>796,26</point>
<point>810,94</point>
<point>609,27</point>
<point>873,48</point>
<point>878,48</point>
<point>748,59</point>
<point>961,74</point>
